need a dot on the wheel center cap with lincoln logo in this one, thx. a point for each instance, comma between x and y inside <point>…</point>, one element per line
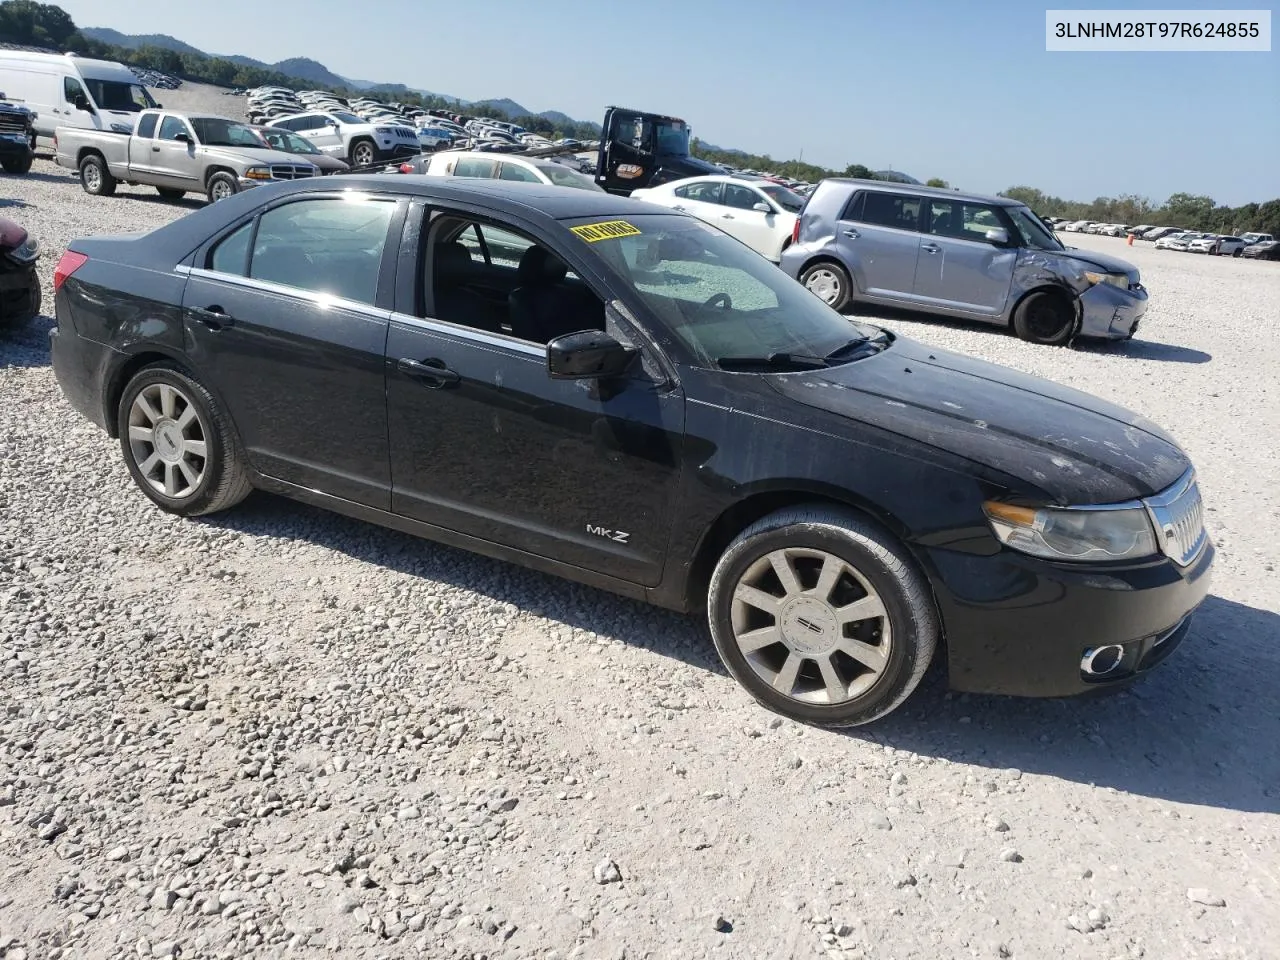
<point>809,626</point>
<point>168,441</point>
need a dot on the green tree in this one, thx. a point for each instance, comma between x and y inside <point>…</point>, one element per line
<point>35,24</point>
<point>937,182</point>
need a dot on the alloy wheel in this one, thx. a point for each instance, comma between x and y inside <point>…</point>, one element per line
<point>168,440</point>
<point>363,155</point>
<point>823,284</point>
<point>221,190</point>
<point>92,177</point>
<point>811,626</point>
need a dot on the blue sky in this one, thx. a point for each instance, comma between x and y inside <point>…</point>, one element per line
<point>960,90</point>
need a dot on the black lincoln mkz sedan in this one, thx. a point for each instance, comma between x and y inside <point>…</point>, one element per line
<point>623,395</point>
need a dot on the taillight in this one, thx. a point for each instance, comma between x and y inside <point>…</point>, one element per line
<point>69,264</point>
<point>406,168</point>
<point>795,232</point>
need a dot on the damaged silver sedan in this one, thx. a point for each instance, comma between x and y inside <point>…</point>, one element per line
<point>959,255</point>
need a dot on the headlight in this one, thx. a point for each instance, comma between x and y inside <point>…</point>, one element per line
<point>26,253</point>
<point>1120,280</point>
<point>1122,533</point>
<point>384,131</point>
<point>258,173</point>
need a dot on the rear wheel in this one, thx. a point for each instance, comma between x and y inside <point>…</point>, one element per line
<point>822,616</point>
<point>1045,317</point>
<point>829,282</point>
<point>168,193</point>
<point>179,444</point>
<point>96,178</point>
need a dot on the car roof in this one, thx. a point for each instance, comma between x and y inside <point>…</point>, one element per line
<point>919,190</point>
<point>537,202</point>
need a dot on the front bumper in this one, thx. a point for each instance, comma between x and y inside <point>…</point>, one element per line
<point>20,296</point>
<point>1019,625</point>
<point>1111,313</point>
<point>14,145</point>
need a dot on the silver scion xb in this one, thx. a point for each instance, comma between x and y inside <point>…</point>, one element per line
<point>959,255</point>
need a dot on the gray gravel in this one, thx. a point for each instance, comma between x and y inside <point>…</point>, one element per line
<point>278,728</point>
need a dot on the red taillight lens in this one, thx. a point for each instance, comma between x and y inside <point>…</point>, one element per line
<point>69,264</point>
<point>795,232</point>
<point>406,168</point>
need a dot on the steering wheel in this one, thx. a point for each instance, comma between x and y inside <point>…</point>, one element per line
<point>722,300</point>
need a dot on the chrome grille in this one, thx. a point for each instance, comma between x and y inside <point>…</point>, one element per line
<point>1178,514</point>
<point>284,171</point>
<point>9,123</point>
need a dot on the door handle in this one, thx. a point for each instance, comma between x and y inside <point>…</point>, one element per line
<point>678,207</point>
<point>155,149</point>
<point>433,373</point>
<point>213,317</point>
<point>930,247</point>
<point>851,234</point>
<point>726,216</point>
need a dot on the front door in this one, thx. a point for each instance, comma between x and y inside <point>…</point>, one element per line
<point>283,314</point>
<point>741,220</point>
<point>878,238</point>
<point>959,268</point>
<point>173,160</point>
<point>484,442</point>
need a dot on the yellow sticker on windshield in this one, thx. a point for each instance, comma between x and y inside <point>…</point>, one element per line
<point>609,230</point>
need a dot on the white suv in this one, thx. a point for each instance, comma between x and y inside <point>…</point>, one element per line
<point>344,135</point>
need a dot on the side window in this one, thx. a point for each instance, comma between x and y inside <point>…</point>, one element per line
<point>311,123</point>
<point>966,221</point>
<point>744,198</point>
<point>705,192</point>
<point>853,209</point>
<point>513,171</point>
<point>285,125</point>
<point>327,246</point>
<point>147,126</point>
<point>891,210</point>
<point>505,248</point>
<point>474,167</point>
<point>71,89</point>
<point>171,127</point>
<point>231,255</point>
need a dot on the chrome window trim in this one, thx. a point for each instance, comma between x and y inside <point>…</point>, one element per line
<point>267,286</point>
<point>464,332</point>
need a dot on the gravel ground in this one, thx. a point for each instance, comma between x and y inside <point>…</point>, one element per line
<point>281,730</point>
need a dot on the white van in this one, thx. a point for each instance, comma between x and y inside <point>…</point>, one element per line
<point>69,91</point>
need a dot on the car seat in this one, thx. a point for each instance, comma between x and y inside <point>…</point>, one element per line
<point>543,306</point>
<point>454,302</point>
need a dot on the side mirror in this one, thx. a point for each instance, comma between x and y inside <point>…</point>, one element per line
<point>999,236</point>
<point>587,355</point>
<point>159,106</point>
<point>182,137</point>
<point>82,103</point>
<point>762,207</point>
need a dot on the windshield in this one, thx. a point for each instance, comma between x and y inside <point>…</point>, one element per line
<point>216,132</point>
<point>562,176</point>
<point>287,141</point>
<point>118,95</point>
<point>786,199</point>
<point>346,117</point>
<point>1034,234</point>
<point>671,138</point>
<point>716,296</point>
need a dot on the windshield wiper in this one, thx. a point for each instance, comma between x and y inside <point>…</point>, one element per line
<point>773,361</point>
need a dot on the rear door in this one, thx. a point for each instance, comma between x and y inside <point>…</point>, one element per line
<point>288,315</point>
<point>878,236</point>
<point>959,268</point>
<point>701,199</point>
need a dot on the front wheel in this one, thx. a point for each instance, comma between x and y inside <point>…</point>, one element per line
<point>1045,317</point>
<point>362,154</point>
<point>822,616</point>
<point>179,444</point>
<point>96,178</point>
<point>829,282</point>
<point>222,185</point>
<point>17,165</point>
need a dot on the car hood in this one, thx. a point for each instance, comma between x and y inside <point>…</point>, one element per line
<point>1105,261</point>
<point>1074,447</point>
<point>260,154</point>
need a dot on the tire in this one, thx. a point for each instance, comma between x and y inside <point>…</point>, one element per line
<point>96,178</point>
<point>156,463</point>
<point>829,282</point>
<point>362,153</point>
<point>17,165</point>
<point>1045,317</point>
<point>1236,252</point>
<point>168,193</point>
<point>865,565</point>
<point>221,185</point>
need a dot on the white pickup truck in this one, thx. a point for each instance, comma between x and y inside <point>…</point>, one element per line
<point>177,154</point>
